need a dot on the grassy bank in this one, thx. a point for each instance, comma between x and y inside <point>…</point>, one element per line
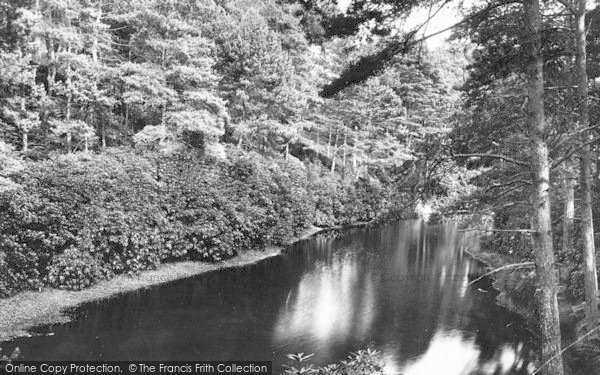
<point>29,309</point>
<point>73,221</point>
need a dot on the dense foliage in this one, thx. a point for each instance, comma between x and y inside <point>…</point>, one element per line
<point>79,218</point>
<point>360,362</point>
<point>135,133</point>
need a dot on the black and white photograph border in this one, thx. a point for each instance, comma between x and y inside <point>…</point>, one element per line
<point>299,187</point>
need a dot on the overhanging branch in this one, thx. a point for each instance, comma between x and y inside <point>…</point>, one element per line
<point>494,156</point>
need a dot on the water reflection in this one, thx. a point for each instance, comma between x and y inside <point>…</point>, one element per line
<point>405,291</point>
<point>399,288</point>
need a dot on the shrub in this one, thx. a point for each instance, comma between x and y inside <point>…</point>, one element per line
<point>361,362</point>
<point>75,270</point>
<point>132,212</point>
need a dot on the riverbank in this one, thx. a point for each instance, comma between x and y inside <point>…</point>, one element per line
<point>521,303</point>
<point>26,310</point>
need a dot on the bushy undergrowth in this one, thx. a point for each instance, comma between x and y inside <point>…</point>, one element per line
<point>76,219</point>
<point>75,270</point>
<point>361,362</point>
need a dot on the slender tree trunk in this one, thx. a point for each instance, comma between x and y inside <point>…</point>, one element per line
<point>127,118</point>
<point>547,285</point>
<point>334,154</point>
<point>329,144</point>
<point>587,220</point>
<point>569,208</point>
<point>69,141</point>
<point>344,154</point>
<point>94,49</point>
<point>39,43</point>
<point>164,105</point>
<point>51,65</point>
<point>287,150</point>
<point>68,117</point>
<point>24,128</point>
<point>68,110</point>
<point>568,220</point>
<point>25,142</point>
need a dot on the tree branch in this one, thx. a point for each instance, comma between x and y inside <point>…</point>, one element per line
<point>497,186</point>
<point>508,266</point>
<point>573,151</point>
<point>497,230</point>
<point>495,156</point>
<point>370,65</point>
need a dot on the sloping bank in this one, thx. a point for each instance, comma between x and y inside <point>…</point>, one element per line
<point>86,222</point>
<point>26,310</point>
<point>516,290</point>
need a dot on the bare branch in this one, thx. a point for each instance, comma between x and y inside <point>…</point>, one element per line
<point>497,186</point>
<point>503,268</point>
<point>497,230</point>
<point>494,156</point>
<point>573,152</point>
<point>567,5</point>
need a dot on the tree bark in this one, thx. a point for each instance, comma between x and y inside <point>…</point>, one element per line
<point>569,208</point>
<point>51,65</point>
<point>25,142</point>
<point>334,153</point>
<point>94,49</point>
<point>587,220</point>
<point>547,285</point>
<point>103,136</point>
<point>344,154</point>
<point>287,150</point>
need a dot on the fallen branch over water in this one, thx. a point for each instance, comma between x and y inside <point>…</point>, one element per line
<point>508,266</point>
<point>497,230</point>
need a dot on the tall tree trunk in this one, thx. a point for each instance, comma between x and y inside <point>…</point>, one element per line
<point>334,153</point>
<point>51,65</point>
<point>38,42</point>
<point>25,142</point>
<point>127,118</point>
<point>103,136</point>
<point>569,207</point>
<point>68,110</point>
<point>547,285</point>
<point>344,154</point>
<point>329,144</point>
<point>287,150</point>
<point>24,128</point>
<point>94,48</point>
<point>69,142</point>
<point>568,219</point>
<point>587,220</point>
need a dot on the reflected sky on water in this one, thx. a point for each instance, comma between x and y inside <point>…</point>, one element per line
<point>401,289</point>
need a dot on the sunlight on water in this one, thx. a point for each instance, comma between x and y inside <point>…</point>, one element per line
<point>410,281</point>
<point>400,289</point>
<point>448,353</point>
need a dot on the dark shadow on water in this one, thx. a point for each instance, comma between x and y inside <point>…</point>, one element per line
<point>401,289</point>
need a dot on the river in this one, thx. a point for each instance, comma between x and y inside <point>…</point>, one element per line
<point>401,289</point>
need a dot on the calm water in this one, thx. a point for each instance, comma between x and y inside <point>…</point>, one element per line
<point>401,289</point>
